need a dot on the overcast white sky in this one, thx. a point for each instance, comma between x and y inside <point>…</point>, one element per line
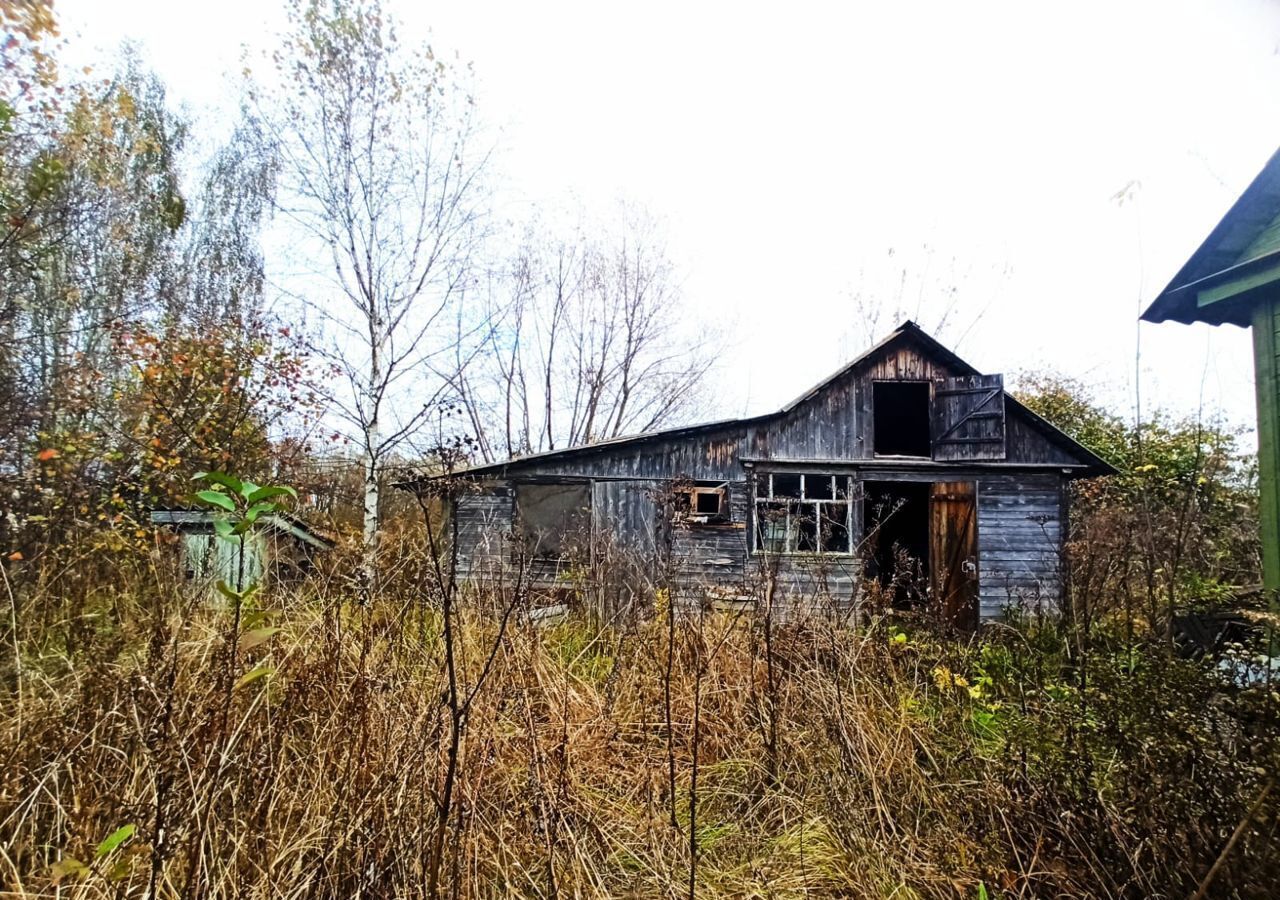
<point>791,148</point>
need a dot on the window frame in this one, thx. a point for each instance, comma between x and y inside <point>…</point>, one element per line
<point>816,505</point>
<point>687,512</point>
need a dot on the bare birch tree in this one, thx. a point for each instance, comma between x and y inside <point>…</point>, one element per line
<point>374,141</point>
<point>591,345</point>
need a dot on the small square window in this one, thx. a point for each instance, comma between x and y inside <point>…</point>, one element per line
<point>703,503</point>
<point>706,503</point>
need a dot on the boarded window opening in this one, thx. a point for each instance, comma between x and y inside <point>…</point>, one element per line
<point>897,526</point>
<point>552,517</point>
<point>901,418</point>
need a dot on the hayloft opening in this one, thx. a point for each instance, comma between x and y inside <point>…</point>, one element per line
<point>896,514</point>
<point>901,418</point>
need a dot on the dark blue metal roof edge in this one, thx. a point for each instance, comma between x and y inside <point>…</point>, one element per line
<point>1173,303</point>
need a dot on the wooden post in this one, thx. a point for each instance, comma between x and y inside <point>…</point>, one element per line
<point>1266,363</point>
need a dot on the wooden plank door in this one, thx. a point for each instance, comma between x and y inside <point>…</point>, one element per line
<point>953,551</point>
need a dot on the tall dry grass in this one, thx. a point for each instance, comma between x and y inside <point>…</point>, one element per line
<point>815,759</point>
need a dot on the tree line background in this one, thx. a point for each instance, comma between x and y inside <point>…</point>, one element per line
<point>150,333</point>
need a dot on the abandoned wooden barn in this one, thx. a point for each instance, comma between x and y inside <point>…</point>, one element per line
<point>907,467</point>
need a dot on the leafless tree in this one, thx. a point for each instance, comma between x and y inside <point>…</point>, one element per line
<point>591,344</point>
<point>934,293</point>
<point>378,175</point>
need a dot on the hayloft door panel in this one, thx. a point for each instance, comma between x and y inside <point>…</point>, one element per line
<point>953,551</point>
<point>968,418</point>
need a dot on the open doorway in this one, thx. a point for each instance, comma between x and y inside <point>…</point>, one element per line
<point>896,517</point>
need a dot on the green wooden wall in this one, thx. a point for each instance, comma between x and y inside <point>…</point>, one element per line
<point>1266,361</point>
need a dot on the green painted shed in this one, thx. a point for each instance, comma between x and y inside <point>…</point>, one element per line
<point>1234,279</point>
<point>281,550</point>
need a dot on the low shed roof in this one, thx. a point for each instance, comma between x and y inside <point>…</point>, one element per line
<point>202,519</point>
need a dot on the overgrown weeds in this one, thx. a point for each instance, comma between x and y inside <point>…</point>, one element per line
<point>879,760</point>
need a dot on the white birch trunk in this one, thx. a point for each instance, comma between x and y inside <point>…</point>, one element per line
<point>369,544</point>
<point>372,464</point>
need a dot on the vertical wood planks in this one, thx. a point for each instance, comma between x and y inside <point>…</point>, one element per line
<point>1266,361</point>
<point>953,551</point>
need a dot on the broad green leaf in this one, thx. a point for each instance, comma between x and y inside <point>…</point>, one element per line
<point>224,528</point>
<point>254,674</point>
<point>230,482</point>
<point>251,639</point>
<point>248,488</point>
<point>217,498</point>
<point>266,493</point>
<point>254,618</point>
<point>262,507</point>
<point>69,867</point>
<point>229,592</point>
<point>121,870</point>
<point>114,840</point>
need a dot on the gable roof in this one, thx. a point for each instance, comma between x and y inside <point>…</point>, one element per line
<point>906,332</point>
<point>1220,256</point>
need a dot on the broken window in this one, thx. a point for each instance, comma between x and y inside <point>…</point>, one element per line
<point>703,503</point>
<point>900,414</point>
<point>803,513</point>
<point>552,518</point>
<point>772,527</point>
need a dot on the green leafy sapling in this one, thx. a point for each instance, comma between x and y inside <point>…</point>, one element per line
<point>107,863</point>
<point>241,507</point>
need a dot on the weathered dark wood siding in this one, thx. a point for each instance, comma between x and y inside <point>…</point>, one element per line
<point>626,512</point>
<point>709,456</point>
<point>484,523</point>
<point>1026,443</point>
<point>1020,537</point>
<point>838,422</point>
<point>713,558</point>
